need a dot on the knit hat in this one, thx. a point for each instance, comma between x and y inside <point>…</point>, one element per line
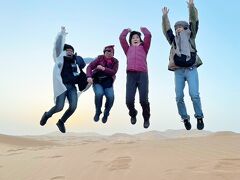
<point>183,24</point>
<point>133,33</point>
<point>108,47</point>
<point>67,46</point>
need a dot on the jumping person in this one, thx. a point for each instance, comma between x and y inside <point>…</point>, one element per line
<point>184,61</point>
<point>137,71</point>
<point>102,72</point>
<point>65,76</point>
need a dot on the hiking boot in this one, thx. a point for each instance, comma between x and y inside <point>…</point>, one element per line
<point>134,118</point>
<point>187,124</point>
<point>61,126</point>
<point>104,119</point>
<point>200,124</point>
<point>96,117</point>
<point>146,124</point>
<point>44,119</point>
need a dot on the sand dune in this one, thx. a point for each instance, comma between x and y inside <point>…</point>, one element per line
<point>151,155</point>
<point>22,141</point>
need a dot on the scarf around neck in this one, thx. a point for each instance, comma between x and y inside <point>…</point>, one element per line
<point>183,44</point>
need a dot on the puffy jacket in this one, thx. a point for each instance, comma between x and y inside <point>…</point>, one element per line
<point>136,55</point>
<point>110,70</point>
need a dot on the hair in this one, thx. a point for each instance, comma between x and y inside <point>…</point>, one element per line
<point>108,47</point>
<point>131,36</point>
<point>68,46</point>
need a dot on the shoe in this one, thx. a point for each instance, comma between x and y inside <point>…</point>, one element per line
<point>134,118</point>
<point>187,124</point>
<point>96,117</point>
<point>200,124</point>
<point>61,126</point>
<point>44,119</point>
<point>146,124</point>
<point>104,119</point>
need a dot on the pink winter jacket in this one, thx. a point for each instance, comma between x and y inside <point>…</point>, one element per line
<point>136,55</point>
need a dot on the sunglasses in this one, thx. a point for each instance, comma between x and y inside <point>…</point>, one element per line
<point>108,50</point>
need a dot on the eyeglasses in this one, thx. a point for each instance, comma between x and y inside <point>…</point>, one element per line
<point>108,50</point>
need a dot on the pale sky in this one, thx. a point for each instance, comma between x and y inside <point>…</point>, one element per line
<point>28,30</point>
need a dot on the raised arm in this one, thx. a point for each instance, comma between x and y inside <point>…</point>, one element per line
<point>147,38</point>
<point>123,40</point>
<point>193,19</point>
<point>59,43</point>
<point>167,31</point>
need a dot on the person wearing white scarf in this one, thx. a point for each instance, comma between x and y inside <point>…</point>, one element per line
<point>63,84</point>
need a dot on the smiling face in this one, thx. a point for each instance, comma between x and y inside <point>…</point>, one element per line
<point>135,41</point>
<point>69,52</point>
<point>108,53</point>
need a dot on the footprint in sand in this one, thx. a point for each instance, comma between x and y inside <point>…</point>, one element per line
<point>56,156</point>
<point>101,150</point>
<point>120,163</point>
<point>57,177</point>
<point>12,154</point>
<point>228,164</point>
<point>15,150</point>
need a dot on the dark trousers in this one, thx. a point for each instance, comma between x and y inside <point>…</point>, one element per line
<point>72,97</point>
<point>137,80</point>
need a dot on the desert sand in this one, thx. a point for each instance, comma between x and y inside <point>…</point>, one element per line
<point>169,155</point>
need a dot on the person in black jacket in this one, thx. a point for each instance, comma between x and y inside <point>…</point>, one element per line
<point>66,75</point>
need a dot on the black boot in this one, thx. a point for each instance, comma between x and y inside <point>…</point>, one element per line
<point>96,117</point>
<point>200,124</point>
<point>132,112</point>
<point>134,118</point>
<point>61,126</point>
<point>105,116</point>
<point>104,119</point>
<point>44,119</point>
<point>187,124</point>
<point>146,114</point>
<point>146,124</point>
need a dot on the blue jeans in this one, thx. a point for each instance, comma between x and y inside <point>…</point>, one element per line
<point>99,92</point>
<point>71,95</point>
<point>191,76</point>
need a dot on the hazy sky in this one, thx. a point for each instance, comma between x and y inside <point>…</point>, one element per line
<point>28,30</point>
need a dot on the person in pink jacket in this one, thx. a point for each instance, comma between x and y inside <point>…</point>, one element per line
<point>137,72</point>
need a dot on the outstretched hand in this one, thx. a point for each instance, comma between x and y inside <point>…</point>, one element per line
<point>142,28</point>
<point>63,30</point>
<point>165,10</point>
<point>190,2</point>
<point>90,80</point>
